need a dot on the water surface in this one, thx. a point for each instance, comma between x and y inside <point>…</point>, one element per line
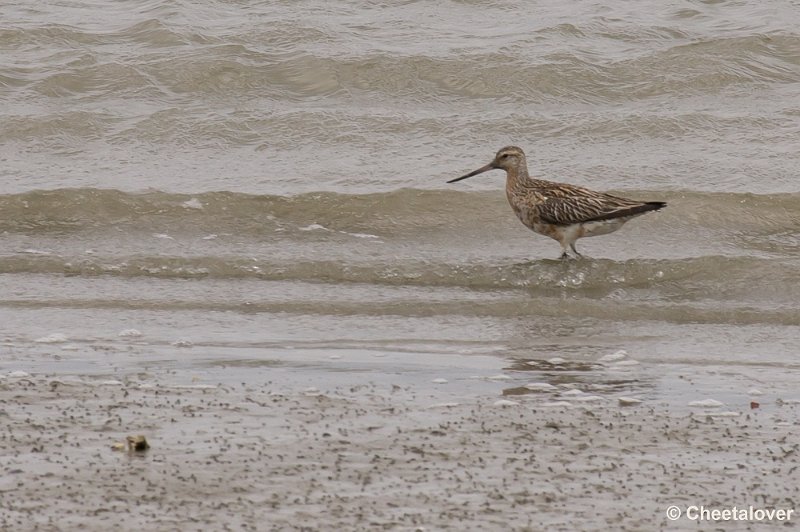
<point>265,182</point>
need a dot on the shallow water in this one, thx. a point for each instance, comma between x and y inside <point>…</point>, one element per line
<point>261,183</point>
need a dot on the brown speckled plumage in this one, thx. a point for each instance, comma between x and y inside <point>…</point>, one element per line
<point>562,212</point>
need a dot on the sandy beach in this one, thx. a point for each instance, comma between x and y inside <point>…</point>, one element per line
<point>280,456</point>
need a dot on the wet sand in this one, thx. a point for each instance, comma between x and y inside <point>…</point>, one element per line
<point>282,456</point>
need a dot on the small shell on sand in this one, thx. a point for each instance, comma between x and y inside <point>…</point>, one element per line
<point>444,405</point>
<point>707,403</point>
<point>137,443</point>
<point>505,402</point>
<point>558,403</point>
<point>588,398</point>
<point>629,401</point>
<point>540,386</point>
<point>753,391</point>
<point>439,381</point>
<point>724,414</point>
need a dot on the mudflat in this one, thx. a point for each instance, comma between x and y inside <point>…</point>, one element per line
<point>281,456</point>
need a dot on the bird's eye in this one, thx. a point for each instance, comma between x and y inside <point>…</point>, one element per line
<point>504,156</point>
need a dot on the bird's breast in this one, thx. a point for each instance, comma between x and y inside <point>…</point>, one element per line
<point>524,206</point>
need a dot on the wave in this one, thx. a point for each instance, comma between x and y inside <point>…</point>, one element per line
<point>713,278</point>
<point>416,239</point>
<point>379,214</point>
<point>702,290</point>
<point>292,61</point>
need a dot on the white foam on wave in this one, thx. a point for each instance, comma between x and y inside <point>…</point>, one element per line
<point>55,338</point>
<point>613,357</point>
<point>314,227</point>
<point>183,343</point>
<point>361,235</point>
<point>193,203</point>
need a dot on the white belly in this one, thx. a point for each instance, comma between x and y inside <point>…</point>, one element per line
<point>571,233</point>
<point>603,227</point>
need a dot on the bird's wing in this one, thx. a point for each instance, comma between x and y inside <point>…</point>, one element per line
<point>591,207</point>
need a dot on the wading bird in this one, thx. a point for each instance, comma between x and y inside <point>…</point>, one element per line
<point>563,212</point>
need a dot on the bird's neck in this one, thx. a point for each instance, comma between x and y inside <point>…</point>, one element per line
<point>517,176</point>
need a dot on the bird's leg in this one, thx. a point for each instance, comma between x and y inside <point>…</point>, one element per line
<point>572,245</point>
<point>564,254</point>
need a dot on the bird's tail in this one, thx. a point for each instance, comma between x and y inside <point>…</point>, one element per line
<point>633,210</point>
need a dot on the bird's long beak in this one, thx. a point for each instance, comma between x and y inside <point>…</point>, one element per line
<point>480,170</point>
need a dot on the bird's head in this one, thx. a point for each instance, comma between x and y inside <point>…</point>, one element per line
<point>508,158</point>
